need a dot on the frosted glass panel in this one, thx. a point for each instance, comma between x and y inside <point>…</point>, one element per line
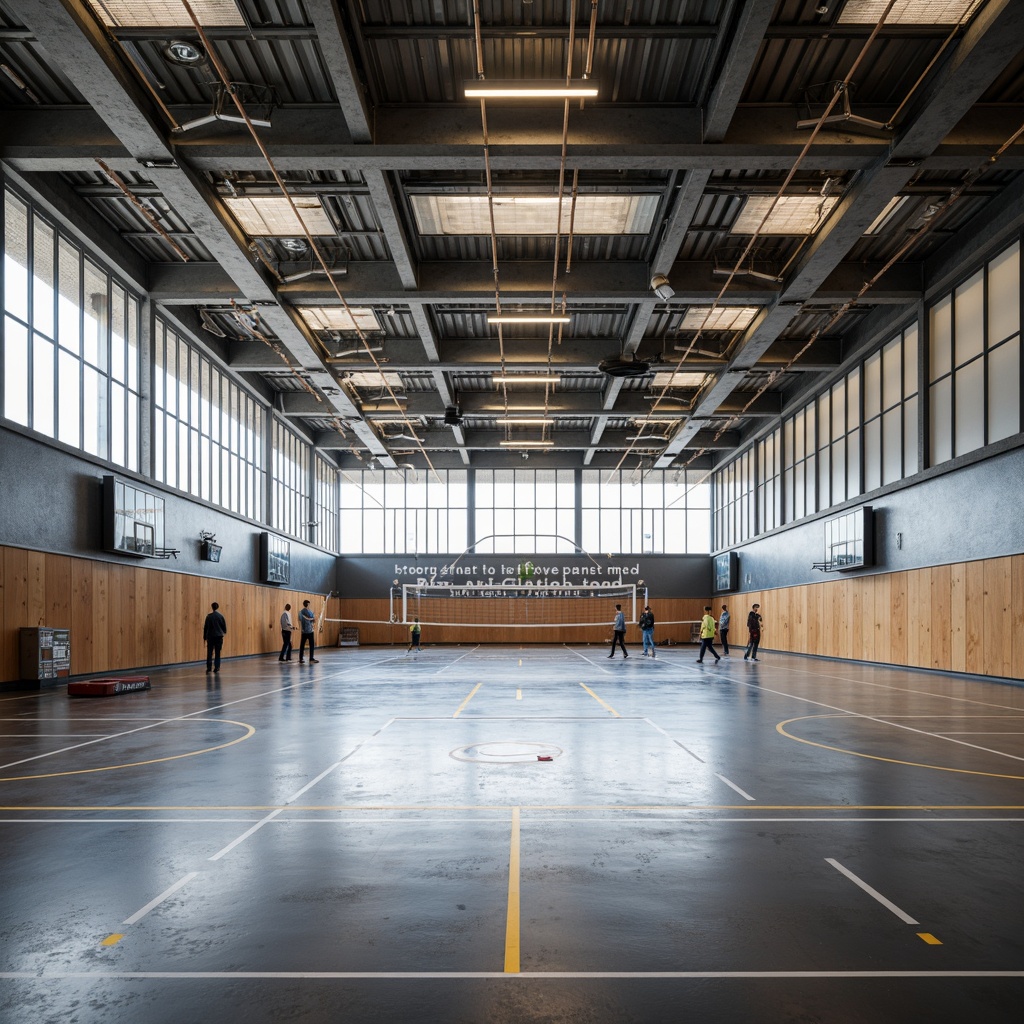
<point>970,409</point>
<point>892,446</point>
<point>910,336</point>
<point>940,419</point>
<point>873,455</point>
<point>853,400</point>
<point>872,385</point>
<point>1004,391</point>
<point>910,458</point>
<point>892,373</point>
<point>969,319</point>
<point>1004,295</point>
<point>939,322</point>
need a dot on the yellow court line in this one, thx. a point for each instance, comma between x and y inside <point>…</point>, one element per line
<point>472,694</point>
<point>929,938</point>
<point>512,915</point>
<point>519,694</point>
<point>112,940</point>
<point>250,731</point>
<point>875,757</point>
<point>599,701</point>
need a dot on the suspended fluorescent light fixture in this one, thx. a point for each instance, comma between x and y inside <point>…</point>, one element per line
<point>647,437</point>
<point>528,318</point>
<point>526,444</point>
<point>555,89</point>
<point>525,421</point>
<point>526,378</point>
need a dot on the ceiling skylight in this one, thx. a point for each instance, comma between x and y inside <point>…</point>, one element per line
<point>338,318</point>
<point>273,215</point>
<point>373,379</point>
<point>906,12</point>
<point>165,13</point>
<point>722,318</point>
<point>534,215</point>
<point>678,380</point>
<point>792,215</point>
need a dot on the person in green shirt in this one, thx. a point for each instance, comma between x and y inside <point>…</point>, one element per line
<point>707,636</point>
<point>414,635</point>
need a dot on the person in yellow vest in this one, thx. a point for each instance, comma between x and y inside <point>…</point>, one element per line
<point>414,635</point>
<point>707,636</point>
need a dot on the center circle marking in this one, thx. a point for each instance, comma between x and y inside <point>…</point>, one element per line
<point>506,752</point>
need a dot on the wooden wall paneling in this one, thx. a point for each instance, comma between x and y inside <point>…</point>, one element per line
<point>940,582</point>
<point>974,617</point>
<point>1016,623</point>
<point>82,586</point>
<point>858,619</point>
<point>900,616</point>
<point>998,640</point>
<point>58,591</point>
<point>15,572</point>
<point>919,618</point>
<point>35,589</point>
<point>99,617</point>
<point>884,624</point>
<point>958,617</point>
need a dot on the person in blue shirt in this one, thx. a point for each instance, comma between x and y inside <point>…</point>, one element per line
<point>306,622</point>
<point>619,634</point>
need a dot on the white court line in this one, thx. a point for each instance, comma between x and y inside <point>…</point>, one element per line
<point>732,785</point>
<point>880,721</point>
<point>444,668</point>
<point>49,975</point>
<point>675,741</point>
<point>182,718</point>
<point>589,661</point>
<point>140,914</point>
<point>873,893</point>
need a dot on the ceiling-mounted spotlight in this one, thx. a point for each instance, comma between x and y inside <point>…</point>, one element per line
<point>184,54</point>
<point>661,287</point>
<point>294,246</point>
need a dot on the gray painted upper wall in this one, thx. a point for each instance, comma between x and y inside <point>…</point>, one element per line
<point>969,513</point>
<point>52,500</point>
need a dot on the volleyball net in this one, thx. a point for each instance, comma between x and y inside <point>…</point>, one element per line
<point>515,606</point>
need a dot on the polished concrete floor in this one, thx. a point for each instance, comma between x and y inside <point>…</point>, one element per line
<point>373,838</point>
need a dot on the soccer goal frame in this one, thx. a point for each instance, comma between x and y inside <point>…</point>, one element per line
<point>513,606</point>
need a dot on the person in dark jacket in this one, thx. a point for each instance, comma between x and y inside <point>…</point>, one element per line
<point>754,631</point>
<point>646,624</point>
<point>215,628</point>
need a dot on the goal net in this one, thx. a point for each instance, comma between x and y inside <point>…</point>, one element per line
<point>519,606</point>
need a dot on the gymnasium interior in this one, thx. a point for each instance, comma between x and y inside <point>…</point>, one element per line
<point>444,334</point>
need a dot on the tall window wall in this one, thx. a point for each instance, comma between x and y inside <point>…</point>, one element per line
<point>207,432</point>
<point>291,463</point>
<point>890,412</point>
<point>71,341</point>
<point>394,511</point>
<point>734,499</point>
<point>975,360</point>
<point>326,505</point>
<point>525,510</point>
<point>657,512</point>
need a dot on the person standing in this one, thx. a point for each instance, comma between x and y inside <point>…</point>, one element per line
<point>754,630</point>
<point>619,632</point>
<point>215,628</point>
<point>286,633</point>
<point>306,621</point>
<point>707,636</point>
<point>646,624</point>
<point>414,635</point>
<point>723,629</point>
